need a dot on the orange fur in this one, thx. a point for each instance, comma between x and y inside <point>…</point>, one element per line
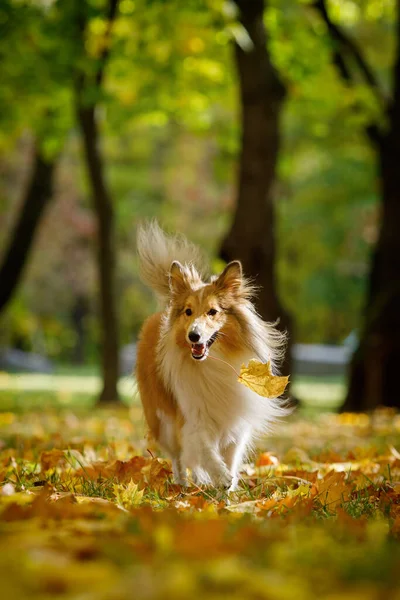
<point>154,396</point>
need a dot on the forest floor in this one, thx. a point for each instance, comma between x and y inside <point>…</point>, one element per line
<point>88,511</point>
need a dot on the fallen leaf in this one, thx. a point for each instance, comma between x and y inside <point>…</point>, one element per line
<point>333,490</point>
<point>259,378</point>
<point>127,495</point>
<point>265,459</point>
<point>51,458</point>
<point>157,474</point>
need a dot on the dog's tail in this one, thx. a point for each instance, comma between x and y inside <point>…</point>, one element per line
<point>157,251</point>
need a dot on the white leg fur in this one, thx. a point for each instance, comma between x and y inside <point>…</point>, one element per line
<point>200,476</point>
<point>233,455</point>
<point>169,443</point>
<point>200,453</point>
<point>219,414</point>
<point>178,472</point>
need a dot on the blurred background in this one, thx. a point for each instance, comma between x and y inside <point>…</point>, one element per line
<point>264,130</point>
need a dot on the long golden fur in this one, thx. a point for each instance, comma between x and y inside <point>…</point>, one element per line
<point>187,354</point>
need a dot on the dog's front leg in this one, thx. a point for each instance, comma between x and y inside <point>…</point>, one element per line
<point>178,471</point>
<point>200,453</point>
<point>233,454</point>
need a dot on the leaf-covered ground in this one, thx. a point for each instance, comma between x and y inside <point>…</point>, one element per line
<point>87,511</point>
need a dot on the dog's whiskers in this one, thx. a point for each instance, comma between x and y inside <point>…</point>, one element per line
<point>218,334</point>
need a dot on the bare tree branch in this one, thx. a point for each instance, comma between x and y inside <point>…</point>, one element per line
<point>37,196</point>
<point>345,45</point>
<point>81,78</point>
<point>111,15</point>
<point>394,108</point>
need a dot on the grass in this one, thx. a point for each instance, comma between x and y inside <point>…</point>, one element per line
<point>64,388</point>
<point>80,386</point>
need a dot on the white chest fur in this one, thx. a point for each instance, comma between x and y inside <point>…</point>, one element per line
<point>209,393</point>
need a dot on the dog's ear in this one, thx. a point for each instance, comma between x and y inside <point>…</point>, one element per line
<point>177,279</point>
<point>231,278</point>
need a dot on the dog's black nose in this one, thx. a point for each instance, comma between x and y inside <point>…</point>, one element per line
<point>194,337</point>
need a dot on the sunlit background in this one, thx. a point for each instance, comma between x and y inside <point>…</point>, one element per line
<point>168,115</point>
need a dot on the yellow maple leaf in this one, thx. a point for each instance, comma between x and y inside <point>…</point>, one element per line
<point>259,378</point>
<point>127,495</point>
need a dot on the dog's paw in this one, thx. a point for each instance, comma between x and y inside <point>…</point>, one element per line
<point>234,485</point>
<point>224,481</point>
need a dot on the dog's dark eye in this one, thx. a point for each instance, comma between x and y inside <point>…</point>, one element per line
<point>188,312</point>
<point>212,312</point>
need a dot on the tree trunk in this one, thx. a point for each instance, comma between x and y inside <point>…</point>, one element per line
<point>36,197</point>
<point>373,373</point>
<point>252,235</point>
<point>105,252</point>
<point>79,313</point>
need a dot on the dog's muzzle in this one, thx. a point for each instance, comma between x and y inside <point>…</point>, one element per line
<point>200,351</point>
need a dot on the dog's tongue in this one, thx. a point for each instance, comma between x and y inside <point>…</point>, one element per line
<point>198,349</point>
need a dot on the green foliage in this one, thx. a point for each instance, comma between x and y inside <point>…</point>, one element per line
<point>328,196</point>
<point>168,114</point>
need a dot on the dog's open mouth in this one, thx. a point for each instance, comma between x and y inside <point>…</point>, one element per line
<point>200,351</point>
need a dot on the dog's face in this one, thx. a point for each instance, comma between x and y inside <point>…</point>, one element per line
<point>202,312</point>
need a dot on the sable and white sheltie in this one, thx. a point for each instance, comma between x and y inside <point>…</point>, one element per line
<point>196,409</point>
